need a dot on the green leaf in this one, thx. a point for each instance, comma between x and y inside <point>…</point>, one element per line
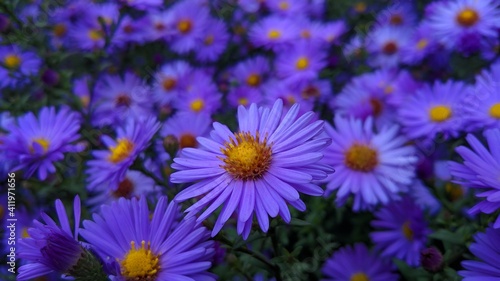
<point>448,236</point>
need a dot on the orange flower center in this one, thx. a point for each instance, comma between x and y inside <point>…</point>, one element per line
<point>467,17</point>
<point>361,158</point>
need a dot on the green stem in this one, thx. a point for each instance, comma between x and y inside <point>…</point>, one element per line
<point>139,166</point>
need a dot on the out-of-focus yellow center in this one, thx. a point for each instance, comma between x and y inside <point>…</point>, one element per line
<point>184,26</point>
<point>95,34</point>
<point>121,151</point>
<point>243,101</point>
<point>24,233</point>
<point>43,142</point>
<point>140,264</point>
<point>169,83</point>
<point>246,158</point>
<point>253,80</point>
<point>283,5</point>
<point>305,34</point>
<point>60,30</point>
<point>274,34</point>
<point>422,43</point>
<point>361,158</point>
<point>359,276</point>
<point>197,105</point>
<point>187,140</point>
<point>360,7</point>
<point>495,110</point>
<point>12,61</point>
<point>467,17</point>
<point>396,19</point>
<point>454,191</point>
<point>440,113</point>
<point>407,231</point>
<point>209,40</point>
<point>302,63</point>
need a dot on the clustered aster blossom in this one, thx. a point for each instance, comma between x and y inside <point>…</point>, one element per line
<point>34,143</point>
<point>145,245</point>
<point>257,170</point>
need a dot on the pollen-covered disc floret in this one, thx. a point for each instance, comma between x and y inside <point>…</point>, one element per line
<point>246,158</point>
<point>257,171</point>
<point>140,263</point>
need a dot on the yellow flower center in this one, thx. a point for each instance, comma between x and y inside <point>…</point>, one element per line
<point>121,151</point>
<point>388,89</point>
<point>85,101</point>
<point>95,34</point>
<point>360,7</point>
<point>253,80</point>
<point>390,48</point>
<point>302,63</point>
<point>361,158</point>
<point>43,142</point>
<point>495,110</point>
<point>274,34</point>
<point>422,43</point>
<point>246,157</point>
<point>197,105</point>
<point>407,231</point>
<point>310,92</point>
<point>169,83</point>
<point>359,276</point>
<point>184,26</point>
<point>125,189</point>
<point>24,233</point>
<point>440,113</point>
<point>60,30</point>
<point>467,17</point>
<point>290,99</point>
<point>12,61</point>
<point>209,40</point>
<point>187,140</point>
<point>243,101</point>
<point>140,264</point>
<point>283,5</point>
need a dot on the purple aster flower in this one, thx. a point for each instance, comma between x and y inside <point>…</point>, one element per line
<point>88,37</point>
<point>244,95</point>
<point>34,144</point>
<point>356,263</point>
<point>251,72</point>
<point>482,102</point>
<point>373,166</point>
<point>160,25</point>
<point>257,170</point>
<point>421,44</point>
<point>249,6</point>
<point>199,94</point>
<point>129,31</point>
<point>118,99</point>
<point>213,42</point>
<point>331,31</point>
<point>398,15</point>
<point>170,81</point>
<point>110,166</point>
<point>82,91</point>
<point>423,197</point>
<point>186,127</point>
<point>273,32</point>
<point>51,247</point>
<point>149,245</point>
<point>354,47</point>
<point>479,171</point>
<point>400,231</point>
<point>453,21</point>
<point>190,20</point>
<point>302,62</point>
<point>287,7</point>
<point>135,184</point>
<point>385,44</point>
<point>432,110</point>
<point>16,65</point>
<point>486,247</point>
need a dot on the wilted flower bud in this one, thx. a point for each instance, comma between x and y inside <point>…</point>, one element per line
<point>431,259</point>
